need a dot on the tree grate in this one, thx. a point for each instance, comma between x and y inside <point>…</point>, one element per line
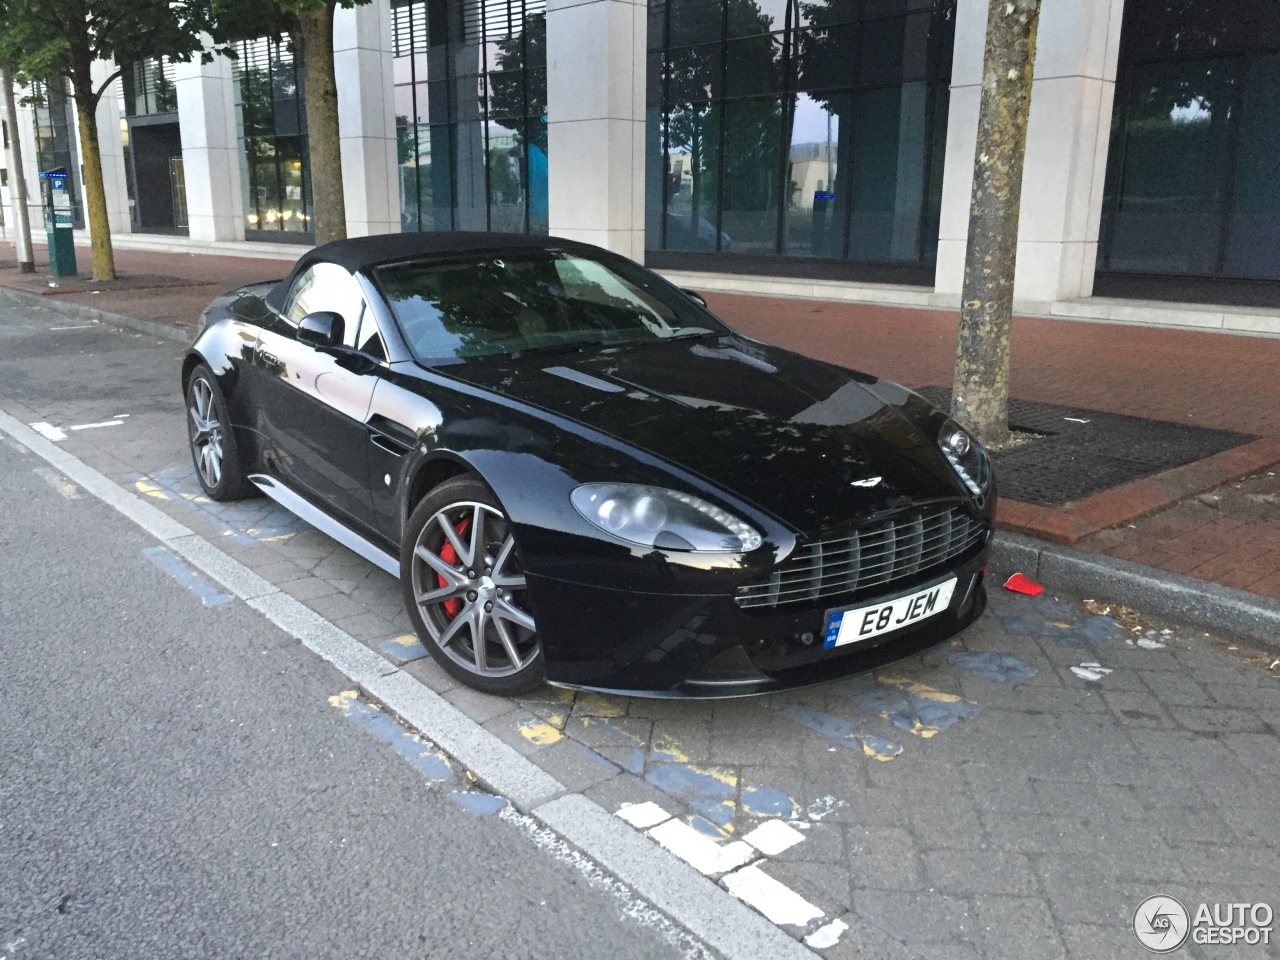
<point>1070,460</point>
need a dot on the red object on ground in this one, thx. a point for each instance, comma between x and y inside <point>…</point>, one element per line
<point>1020,584</point>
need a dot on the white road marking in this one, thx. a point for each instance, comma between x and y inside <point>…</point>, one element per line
<point>643,815</point>
<point>699,851</point>
<point>94,426</point>
<point>773,836</point>
<point>824,807</point>
<point>672,886</point>
<point>1091,671</point>
<point>779,903</point>
<point>78,326</point>
<point>49,431</point>
<point>827,935</point>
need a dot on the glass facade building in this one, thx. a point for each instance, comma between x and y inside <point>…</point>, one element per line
<point>471,104</point>
<point>811,133</point>
<point>1193,179</point>
<point>271,127</point>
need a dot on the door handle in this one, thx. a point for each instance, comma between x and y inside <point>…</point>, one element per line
<point>268,359</point>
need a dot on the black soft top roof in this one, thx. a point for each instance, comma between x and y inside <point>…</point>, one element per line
<point>360,253</point>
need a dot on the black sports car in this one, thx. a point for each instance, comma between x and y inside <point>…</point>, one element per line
<point>581,476</point>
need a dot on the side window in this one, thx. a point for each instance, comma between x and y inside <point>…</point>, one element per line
<point>327,286</point>
<point>370,339</point>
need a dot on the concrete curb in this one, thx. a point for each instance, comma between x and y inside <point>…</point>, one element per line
<point>1149,589</point>
<point>79,311</point>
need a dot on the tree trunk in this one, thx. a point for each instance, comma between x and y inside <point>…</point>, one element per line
<point>17,178</point>
<point>323,145</point>
<point>95,197</point>
<point>980,391</point>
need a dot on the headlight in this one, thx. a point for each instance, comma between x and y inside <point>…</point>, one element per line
<point>666,519</point>
<point>966,457</point>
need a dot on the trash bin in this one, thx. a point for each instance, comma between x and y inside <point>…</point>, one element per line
<point>58,222</point>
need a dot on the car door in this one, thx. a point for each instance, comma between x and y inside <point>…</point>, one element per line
<point>314,401</point>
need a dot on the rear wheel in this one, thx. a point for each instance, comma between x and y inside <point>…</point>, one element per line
<point>213,444</point>
<point>466,592</point>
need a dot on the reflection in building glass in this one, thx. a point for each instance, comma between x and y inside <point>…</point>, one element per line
<point>795,128</point>
<point>470,102</point>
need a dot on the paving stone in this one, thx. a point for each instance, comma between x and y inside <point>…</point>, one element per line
<point>1087,941</point>
<point>574,765</point>
<point>918,918</point>
<point>476,705</point>
<point>865,941</point>
<point>1035,934</point>
<point>308,588</point>
<point>1137,708</point>
<point>335,606</point>
<point>978,872</point>
<point>1078,891</point>
<point>431,674</point>
<point>885,858</point>
<point>1218,719</point>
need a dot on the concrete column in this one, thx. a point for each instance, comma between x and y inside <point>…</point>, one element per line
<point>362,53</point>
<point>111,149</point>
<point>596,122</point>
<point>1067,140</point>
<point>210,153</point>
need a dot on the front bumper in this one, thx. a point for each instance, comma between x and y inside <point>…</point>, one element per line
<point>706,646</point>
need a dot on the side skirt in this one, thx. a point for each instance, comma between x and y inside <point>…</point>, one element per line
<point>305,510</point>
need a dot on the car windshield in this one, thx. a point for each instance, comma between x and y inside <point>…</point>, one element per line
<point>524,301</point>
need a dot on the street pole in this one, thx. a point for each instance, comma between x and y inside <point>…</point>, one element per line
<point>17,178</point>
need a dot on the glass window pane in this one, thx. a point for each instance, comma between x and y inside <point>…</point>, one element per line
<point>820,14</point>
<point>753,66</point>
<point>757,16</point>
<point>506,175</point>
<point>825,57</point>
<point>693,132</point>
<point>1253,239</point>
<point>890,156</point>
<point>693,74</point>
<point>817,192</point>
<point>1175,141</point>
<point>696,21</point>
<point>750,178</point>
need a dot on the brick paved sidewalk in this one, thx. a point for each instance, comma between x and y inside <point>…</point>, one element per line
<point>1198,520</point>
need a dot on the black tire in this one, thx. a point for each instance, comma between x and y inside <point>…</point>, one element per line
<point>456,586</point>
<point>212,441</point>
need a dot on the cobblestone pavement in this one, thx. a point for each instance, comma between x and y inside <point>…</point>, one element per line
<point>1015,793</point>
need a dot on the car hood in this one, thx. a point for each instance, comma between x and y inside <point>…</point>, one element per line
<point>810,443</point>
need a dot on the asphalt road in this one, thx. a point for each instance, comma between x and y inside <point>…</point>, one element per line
<point>175,782</point>
<point>1016,793</point>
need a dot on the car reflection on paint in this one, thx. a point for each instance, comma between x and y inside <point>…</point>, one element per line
<point>580,475</point>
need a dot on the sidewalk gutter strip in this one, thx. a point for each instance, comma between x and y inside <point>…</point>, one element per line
<point>1154,591</point>
<point>695,902</point>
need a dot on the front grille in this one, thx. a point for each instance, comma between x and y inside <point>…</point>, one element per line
<point>876,554</point>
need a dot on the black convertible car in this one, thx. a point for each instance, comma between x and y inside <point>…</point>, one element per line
<point>581,476</point>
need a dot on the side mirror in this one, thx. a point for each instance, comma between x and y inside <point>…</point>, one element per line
<point>324,328</point>
<point>694,295</point>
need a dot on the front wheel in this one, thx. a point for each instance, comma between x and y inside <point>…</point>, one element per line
<point>213,444</point>
<point>466,591</point>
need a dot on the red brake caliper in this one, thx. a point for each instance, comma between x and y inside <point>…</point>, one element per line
<point>450,556</point>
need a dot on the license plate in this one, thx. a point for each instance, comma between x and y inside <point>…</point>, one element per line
<point>852,626</point>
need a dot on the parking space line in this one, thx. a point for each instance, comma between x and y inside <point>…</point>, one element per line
<point>728,926</point>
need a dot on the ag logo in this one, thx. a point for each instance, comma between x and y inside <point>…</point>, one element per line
<point>1161,924</point>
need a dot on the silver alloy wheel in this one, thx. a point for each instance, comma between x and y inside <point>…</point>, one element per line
<point>471,590</point>
<point>206,432</point>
